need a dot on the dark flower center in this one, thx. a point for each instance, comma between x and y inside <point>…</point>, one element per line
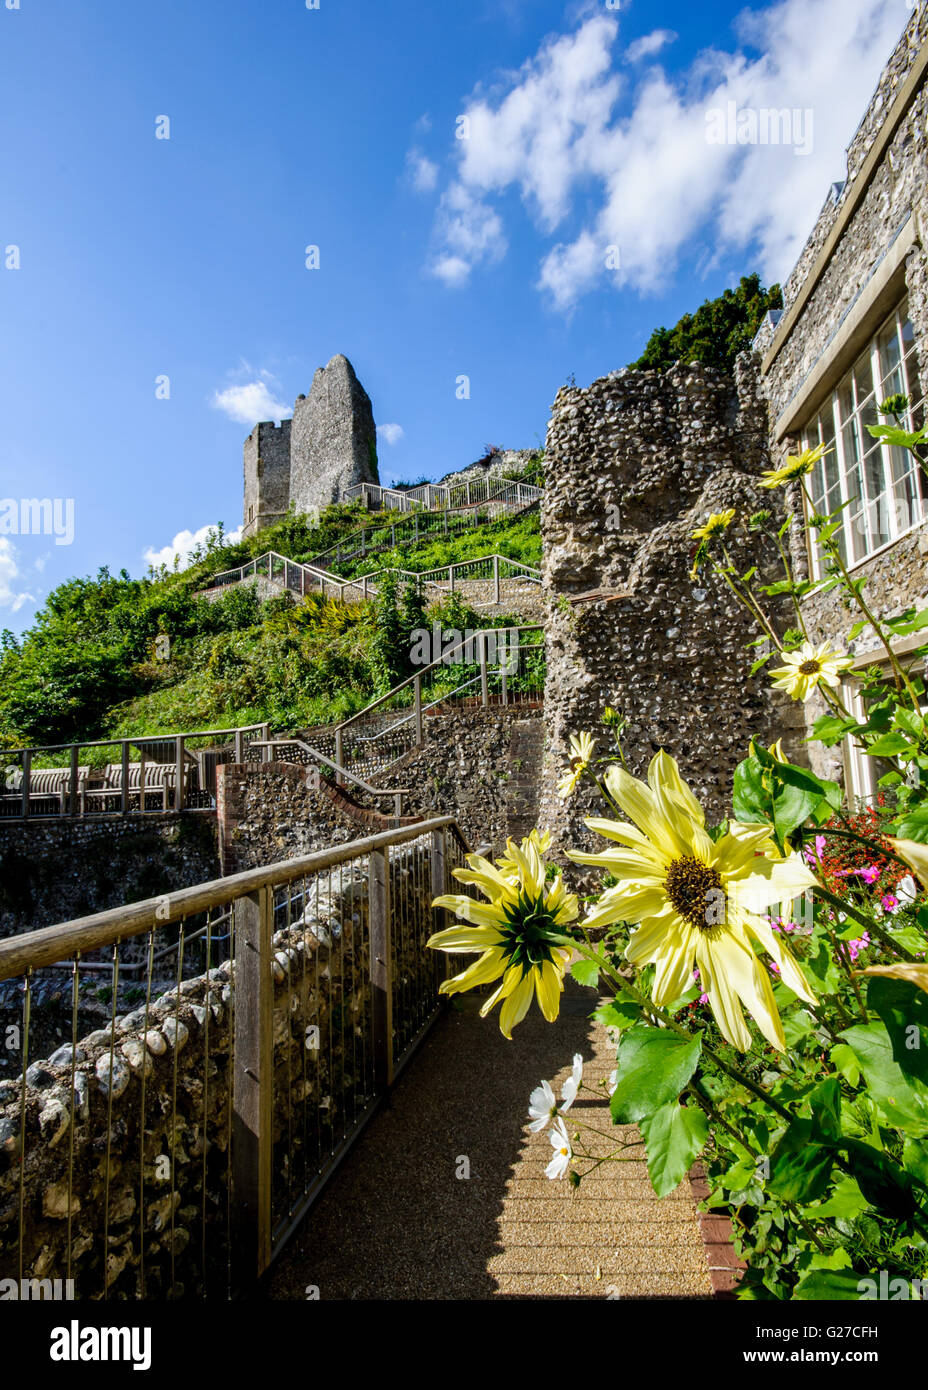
<point>693,888</point>
<point>810,668</point>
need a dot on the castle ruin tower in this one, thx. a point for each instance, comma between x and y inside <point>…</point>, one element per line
<point>267,475</point>
<point>333,442</point>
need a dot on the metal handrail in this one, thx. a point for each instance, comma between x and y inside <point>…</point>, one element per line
<point>341,773</point>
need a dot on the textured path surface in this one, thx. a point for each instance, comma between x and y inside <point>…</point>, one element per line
<point>397,1223</point>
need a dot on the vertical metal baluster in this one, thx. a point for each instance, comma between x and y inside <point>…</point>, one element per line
<point>109,1127</point>
<point>24,1051</point>
<point>180,975</point>
<point>151,957</point>
<point>75,989</point>
<point>207,1002</point>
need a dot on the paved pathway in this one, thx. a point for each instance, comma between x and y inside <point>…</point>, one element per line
<point>397,1222</point>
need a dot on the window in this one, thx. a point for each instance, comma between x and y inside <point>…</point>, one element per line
<point>879,486</point>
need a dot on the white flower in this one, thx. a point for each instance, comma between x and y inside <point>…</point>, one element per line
<point>572,1084</point>
<point>542,1107</point>
<point>563,1153</point>
<point>613,1081</point>
<point>906,890</point>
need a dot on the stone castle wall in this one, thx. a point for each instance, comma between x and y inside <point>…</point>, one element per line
<point>634,463</point>
<point>267,475</point>
<point>308,462</point>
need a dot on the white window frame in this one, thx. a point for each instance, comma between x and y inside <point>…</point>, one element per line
<point>899,517</point>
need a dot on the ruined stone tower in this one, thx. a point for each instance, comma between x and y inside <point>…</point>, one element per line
<point>309,461</point>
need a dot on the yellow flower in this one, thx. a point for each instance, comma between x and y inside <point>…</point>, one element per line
<point>697,902</point>
<point>913,854</point>
<point>519,932</point>
<point>582,747</point>
<point>795,466</point>
<point>913,972</point>
<point>715,525</point>
<point>808,667</point>
<point>541,839</point>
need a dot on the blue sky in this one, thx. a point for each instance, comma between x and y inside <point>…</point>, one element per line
<point>142,258</point>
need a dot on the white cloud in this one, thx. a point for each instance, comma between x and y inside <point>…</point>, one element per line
<point>183,543</point>
<point>422,171</point>
<point>251,401</point>
<point>11,595</point>
<point>390,434</point>
<point>649,44</point>
<point>645,178</point>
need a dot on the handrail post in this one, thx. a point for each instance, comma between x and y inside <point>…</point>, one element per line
<point>417,698</point>
<point>484,679</point>
<point>253,1083</point>
<point>27,778</point>
<point>124,778</point>
<point>266,753</point>
<point>179,773</point>
<point>496,579</point>
<point>75,765</point>
<point>339,779</point>
<point>238,746</point>
<point>142,781</point>
<point>440,885</point>
<point>504,668</point>
<point>381,947</point>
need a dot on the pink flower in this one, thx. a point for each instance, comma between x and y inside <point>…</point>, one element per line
<point>868,875</point>
<point>814,855</point>
<point>889,902</point>
<point>859,944</point>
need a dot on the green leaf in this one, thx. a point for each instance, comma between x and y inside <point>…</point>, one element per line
<point>618,1013</point>
<point>673,1137</point>
<point>902,1101</point>
<point>913,825</point>
<point>844,1059</point>
<point>829,729</point>
<point>890,745</point>
<point>750,799</point>
<point>828,1284</point>
<point>653,1066</point>
<point>800,1168</point>
<point>586,972</point>
<point>844,1202</point>
<point>885,1185</point>
<point>903,1007</point>
<point>825,1101</point>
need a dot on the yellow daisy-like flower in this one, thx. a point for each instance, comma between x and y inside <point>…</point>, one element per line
<point>715,525</point>
<point>808,667</point>
<point>541,839</point>
<point>519,932</point>
<point>794,467</point>
<point>697,902</point>
<point>582,748</point>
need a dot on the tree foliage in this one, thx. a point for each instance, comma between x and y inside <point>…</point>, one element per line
<point>717,332</point>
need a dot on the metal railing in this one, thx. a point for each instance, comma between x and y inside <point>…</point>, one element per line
<point>167,1142</point>
<point>485,580</point>
<point>494,666</point>
<point>386,535</point>
<point>144,773</point>
<point>443,497</point>
<point>297,750</point>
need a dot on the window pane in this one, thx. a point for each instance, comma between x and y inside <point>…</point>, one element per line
<point>863,377</point>
<point>890,362</point>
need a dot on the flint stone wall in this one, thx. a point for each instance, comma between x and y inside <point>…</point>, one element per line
<point>53,871</point>
<point>634,463</point>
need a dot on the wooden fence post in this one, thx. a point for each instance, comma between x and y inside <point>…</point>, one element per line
<point>179,773</point>
<point>253,1085</point>
<point>124,778</point>
<point>381,968</point>
<point>339,758</point>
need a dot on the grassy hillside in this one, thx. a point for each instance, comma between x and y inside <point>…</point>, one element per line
<point>112,655</point>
